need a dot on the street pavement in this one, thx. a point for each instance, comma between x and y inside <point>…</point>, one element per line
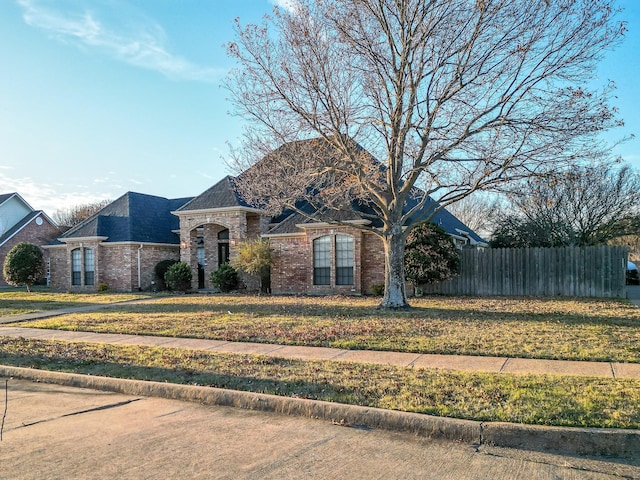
<point>58,432</point>
<point>131,435</point>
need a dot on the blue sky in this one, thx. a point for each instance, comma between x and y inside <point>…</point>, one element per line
<point>101,97</point>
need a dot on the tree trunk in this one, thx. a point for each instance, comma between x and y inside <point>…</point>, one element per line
<point>395,295</point>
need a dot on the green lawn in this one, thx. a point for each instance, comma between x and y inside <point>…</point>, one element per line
<point>532,399</point>
<point>571,329</point>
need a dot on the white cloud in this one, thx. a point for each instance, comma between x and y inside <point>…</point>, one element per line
<point>132,38</point>
<point>42,196</point>
<point>289,5</point>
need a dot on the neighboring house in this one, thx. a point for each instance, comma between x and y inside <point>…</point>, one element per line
<point>21,223</point>
<point>119,246</point>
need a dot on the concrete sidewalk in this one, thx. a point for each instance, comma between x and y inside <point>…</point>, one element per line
<point>451,362</point>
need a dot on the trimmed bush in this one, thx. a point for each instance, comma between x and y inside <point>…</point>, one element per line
<point>160,269</point>
<point>178,277</point>
<point>377,289</point>
<point>225,278</point>
<point>23,265</point>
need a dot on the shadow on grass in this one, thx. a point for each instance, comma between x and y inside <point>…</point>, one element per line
<point>333,311</point>
<point>181,376</point>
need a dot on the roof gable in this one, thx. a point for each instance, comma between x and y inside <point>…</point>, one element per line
<point>6,236</point>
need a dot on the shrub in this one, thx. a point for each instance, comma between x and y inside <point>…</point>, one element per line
<point>160,269</point>
<point>225,278</point>
<point>178,277</point>
<point>430,255</point>
<point>103,287</point>
<point>23,265</point>
<point>378,289</point>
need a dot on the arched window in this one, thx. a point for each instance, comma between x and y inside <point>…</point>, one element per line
<point>89,267</point>
<point>322,261</point>
<point>344,260</point>
<point>82,260</point>
<point>76,267</point>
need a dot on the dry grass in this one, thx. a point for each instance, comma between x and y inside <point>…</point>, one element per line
<point>572,329</point>
<point>19,302</point>
<point>533,399</point>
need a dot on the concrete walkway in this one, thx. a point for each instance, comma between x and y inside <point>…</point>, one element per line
<point>451,362</point>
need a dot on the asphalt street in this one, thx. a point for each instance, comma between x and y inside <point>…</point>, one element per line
<point>57,432</point>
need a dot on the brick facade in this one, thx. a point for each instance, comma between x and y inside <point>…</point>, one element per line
<point>38,234</point>
<point>292,271</point>
<point>122,266</point>
<point>200,229</point>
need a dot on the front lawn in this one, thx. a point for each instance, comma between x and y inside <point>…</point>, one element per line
<point>532,399</point>
<point>570,329</point>
<point>19,302</point>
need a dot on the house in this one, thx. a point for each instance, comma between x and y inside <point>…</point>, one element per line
<point>310,257</point>
<point>21,223</point>
<point>119,246</point>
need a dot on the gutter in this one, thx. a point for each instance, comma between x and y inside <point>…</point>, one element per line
<point>139,268</point>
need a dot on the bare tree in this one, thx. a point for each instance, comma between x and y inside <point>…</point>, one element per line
<point>479,211</point>
<point>450,96</point>
<point>72,216</point>
<point>586,205</point>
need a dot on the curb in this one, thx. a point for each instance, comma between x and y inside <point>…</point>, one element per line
<point>562,440</point>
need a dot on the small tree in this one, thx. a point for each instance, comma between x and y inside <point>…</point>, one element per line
<point>178,277</point>
<point>430,255</point>
<point>161,269</point>
<point>225,278</point>
<point>255,257</point>
<point>23,265</point>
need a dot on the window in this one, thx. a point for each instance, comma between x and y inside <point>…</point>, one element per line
<point>223,247</point>
<point>89,266</point>
<point>76,267</point>
<point>322,261</point>
<point>344,260</point>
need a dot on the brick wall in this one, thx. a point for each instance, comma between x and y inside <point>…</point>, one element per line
<point>241,224</point>
<point>292,271</point>
<point>33,233</point>
<point>115,264</point>
<point>372,262</point>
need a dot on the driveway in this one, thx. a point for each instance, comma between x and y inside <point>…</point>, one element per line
<point>51,431</point>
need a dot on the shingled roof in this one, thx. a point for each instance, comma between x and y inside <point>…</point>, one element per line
<point>290,223</point>
<point>223,194</point>
<point>134,217</point>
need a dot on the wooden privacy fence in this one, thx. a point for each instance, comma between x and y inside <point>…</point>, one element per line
<point>565,271</point>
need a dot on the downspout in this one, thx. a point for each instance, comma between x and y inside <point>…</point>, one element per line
<point>139,269</point>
